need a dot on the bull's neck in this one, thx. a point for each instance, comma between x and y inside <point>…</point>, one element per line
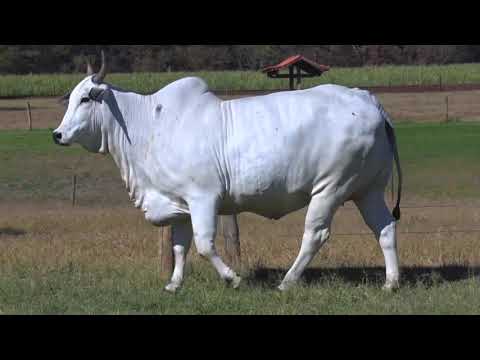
<point>126,117</point>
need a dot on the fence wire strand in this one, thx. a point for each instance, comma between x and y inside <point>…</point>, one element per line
<point>453,231</point>
<point>472,230</point>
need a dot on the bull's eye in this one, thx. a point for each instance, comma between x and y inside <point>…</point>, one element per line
<point>85,100</point>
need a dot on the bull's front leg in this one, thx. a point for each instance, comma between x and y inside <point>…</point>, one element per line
<point>204,217</point>
<point>182,240</point>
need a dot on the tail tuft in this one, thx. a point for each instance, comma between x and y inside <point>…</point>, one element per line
<point>393,142</point>
<point>397,213</point>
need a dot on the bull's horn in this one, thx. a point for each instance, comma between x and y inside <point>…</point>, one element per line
<point>89,68</point>
<point>103,71</point>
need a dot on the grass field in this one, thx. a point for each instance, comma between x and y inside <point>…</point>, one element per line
<point>101,257</point>
<point>58,85</point>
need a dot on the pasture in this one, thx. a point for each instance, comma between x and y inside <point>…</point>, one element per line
<point>101,256</point>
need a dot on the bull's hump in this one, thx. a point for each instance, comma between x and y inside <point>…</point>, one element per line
<point>189,85</point>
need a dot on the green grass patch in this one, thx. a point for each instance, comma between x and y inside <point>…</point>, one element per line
<point>418,142</point>
<point>423,144</point>
<point>439,160</point>
<point>34,168</point>
<point>12,86</point>
<point>82,289</point>
<point>36,142</point>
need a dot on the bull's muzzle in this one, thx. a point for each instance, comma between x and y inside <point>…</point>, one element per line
<point>57,137</point>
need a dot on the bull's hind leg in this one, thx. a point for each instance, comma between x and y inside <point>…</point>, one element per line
<point>182,239</point>
<point>204,222</point>
<point>377,216</point>
<point>317,232</point>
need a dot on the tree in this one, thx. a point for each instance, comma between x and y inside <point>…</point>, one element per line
<point>23,59</point>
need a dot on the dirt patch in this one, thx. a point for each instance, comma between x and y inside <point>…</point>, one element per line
<point>47,113</point>
<point>433,106</point>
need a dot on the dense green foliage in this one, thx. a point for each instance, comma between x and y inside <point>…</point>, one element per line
<point>22,59</point>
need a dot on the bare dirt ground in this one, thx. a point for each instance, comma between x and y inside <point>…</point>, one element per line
<point>422,107</point>
<point>48,112</point>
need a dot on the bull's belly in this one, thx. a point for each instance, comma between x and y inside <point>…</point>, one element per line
<point>268,206</point>
<point>161,211</point>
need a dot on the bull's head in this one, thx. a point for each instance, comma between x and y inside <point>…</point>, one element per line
<point>82,123</point>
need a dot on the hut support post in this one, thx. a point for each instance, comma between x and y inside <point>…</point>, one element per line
<point>299,78</point>
<point>292,78</point>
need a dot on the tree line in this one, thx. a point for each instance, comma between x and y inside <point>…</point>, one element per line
<point>25,59</point>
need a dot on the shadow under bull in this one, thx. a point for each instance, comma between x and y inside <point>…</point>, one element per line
<point>12,232</point>
<point>427,276</point>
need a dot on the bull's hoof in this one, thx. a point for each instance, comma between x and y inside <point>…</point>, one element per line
<point>172,288</point>
<point>284,287</point>
<point>235,282</point>
<point>391,286</point>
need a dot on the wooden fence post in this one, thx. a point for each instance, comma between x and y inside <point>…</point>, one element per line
<point>230,231</point>
<point>165,252</point>
<point>29,116</point>
<point>74,190</point>
<point>447,116</point>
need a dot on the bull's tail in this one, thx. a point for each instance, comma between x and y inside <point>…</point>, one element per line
<point>393,142</point>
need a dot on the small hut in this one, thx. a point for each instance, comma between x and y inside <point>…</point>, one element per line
<point>299,67</point>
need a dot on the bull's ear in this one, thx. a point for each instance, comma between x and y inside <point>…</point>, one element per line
<point>96,94</point>
<point>64,99</point>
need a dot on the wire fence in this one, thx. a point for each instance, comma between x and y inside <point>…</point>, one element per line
<point>426,232</point>
<point>466,229</point>
<point>471,229</point>
<point>440,206</point>
<point>460,231</point>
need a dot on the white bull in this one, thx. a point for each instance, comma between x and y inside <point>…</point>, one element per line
<point>186,157</point>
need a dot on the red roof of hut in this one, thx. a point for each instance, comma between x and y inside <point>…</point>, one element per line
<point>308,66</point>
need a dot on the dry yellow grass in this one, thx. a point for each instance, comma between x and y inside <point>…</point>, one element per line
<point>53,235</point>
